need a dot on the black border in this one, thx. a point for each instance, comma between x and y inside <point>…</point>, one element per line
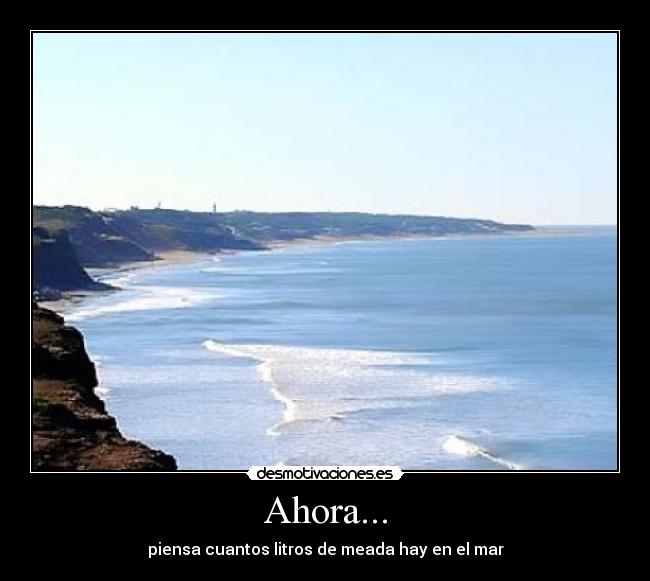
<point>617,32</point>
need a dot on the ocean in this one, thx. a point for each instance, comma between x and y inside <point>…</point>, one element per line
<point>468,353</point>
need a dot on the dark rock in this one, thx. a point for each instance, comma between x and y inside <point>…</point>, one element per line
<point>70,427</point>
<point>55,264</point>
<point>47,293</point>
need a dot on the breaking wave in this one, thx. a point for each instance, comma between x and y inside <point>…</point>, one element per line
<point>142,298</point>
<point>457,446</point>
<point>318,384</point>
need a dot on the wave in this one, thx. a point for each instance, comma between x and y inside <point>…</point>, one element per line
<point>457,446</point>
<point>324,384</point>
<point>266,374</point>
<point>142,298</point>
<point>252,271</point>
<point>121,280</point>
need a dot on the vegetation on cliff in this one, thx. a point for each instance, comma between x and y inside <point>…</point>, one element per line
<point>96,242</point>
<point>71,429</point>
<point>266,226</point>
<point>159,230</point>
<point>112,237</point>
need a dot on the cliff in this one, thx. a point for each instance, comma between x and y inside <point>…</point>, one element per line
<point>70,427</point>
<point>110,237</point>
<point>96,242</point>
<point>55,263</point>
<point>159,230</point>
<point>266,226</point>
<point>104,239</point>
<point>113,237</point>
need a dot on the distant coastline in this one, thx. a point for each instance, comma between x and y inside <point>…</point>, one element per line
<point>71,428</point>
<point>343,326</point>
<point>69,240</point>
<point>97,444</point>
<point>69,299</point>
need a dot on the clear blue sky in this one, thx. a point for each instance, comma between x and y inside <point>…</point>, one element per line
<point>514,127</point>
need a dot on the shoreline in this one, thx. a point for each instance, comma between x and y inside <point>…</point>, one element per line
<point>74,298</point>
<point>72,429</point>
<point>175,257</point>
<point>537,232</point>
<point>178,258</point>
<point>71,299</point>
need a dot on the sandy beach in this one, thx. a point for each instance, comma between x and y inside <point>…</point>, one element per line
<point>172,257</point>
<point>162,259</point>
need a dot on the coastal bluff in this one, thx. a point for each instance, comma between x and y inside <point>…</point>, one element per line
<point>71,429</point>
<point>68,239</point>
<point>55,265</point>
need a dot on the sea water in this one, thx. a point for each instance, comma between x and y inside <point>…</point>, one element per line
<point>474,353</point>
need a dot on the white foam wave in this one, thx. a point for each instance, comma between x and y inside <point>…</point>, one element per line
<point>266,374</point>
<point>457,446</point>
<point>102,391</point>
<point>122,280</point>
<point>265,271</point>
<point>290,412</point>
<point>98,360</point>
<point>144,298</point>
<point>222,269</point>
<point>318,384</point>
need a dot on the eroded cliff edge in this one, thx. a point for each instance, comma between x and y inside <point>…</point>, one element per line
<point>71,429</point>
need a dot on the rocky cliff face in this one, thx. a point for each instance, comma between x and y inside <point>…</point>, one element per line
<point>112,237</point>
<point>56,265</point>
<point>95,241</point>
<point>160,230</point>
<point>71,429</point>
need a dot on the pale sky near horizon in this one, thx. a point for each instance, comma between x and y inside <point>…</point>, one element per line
<point>512,127</point>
